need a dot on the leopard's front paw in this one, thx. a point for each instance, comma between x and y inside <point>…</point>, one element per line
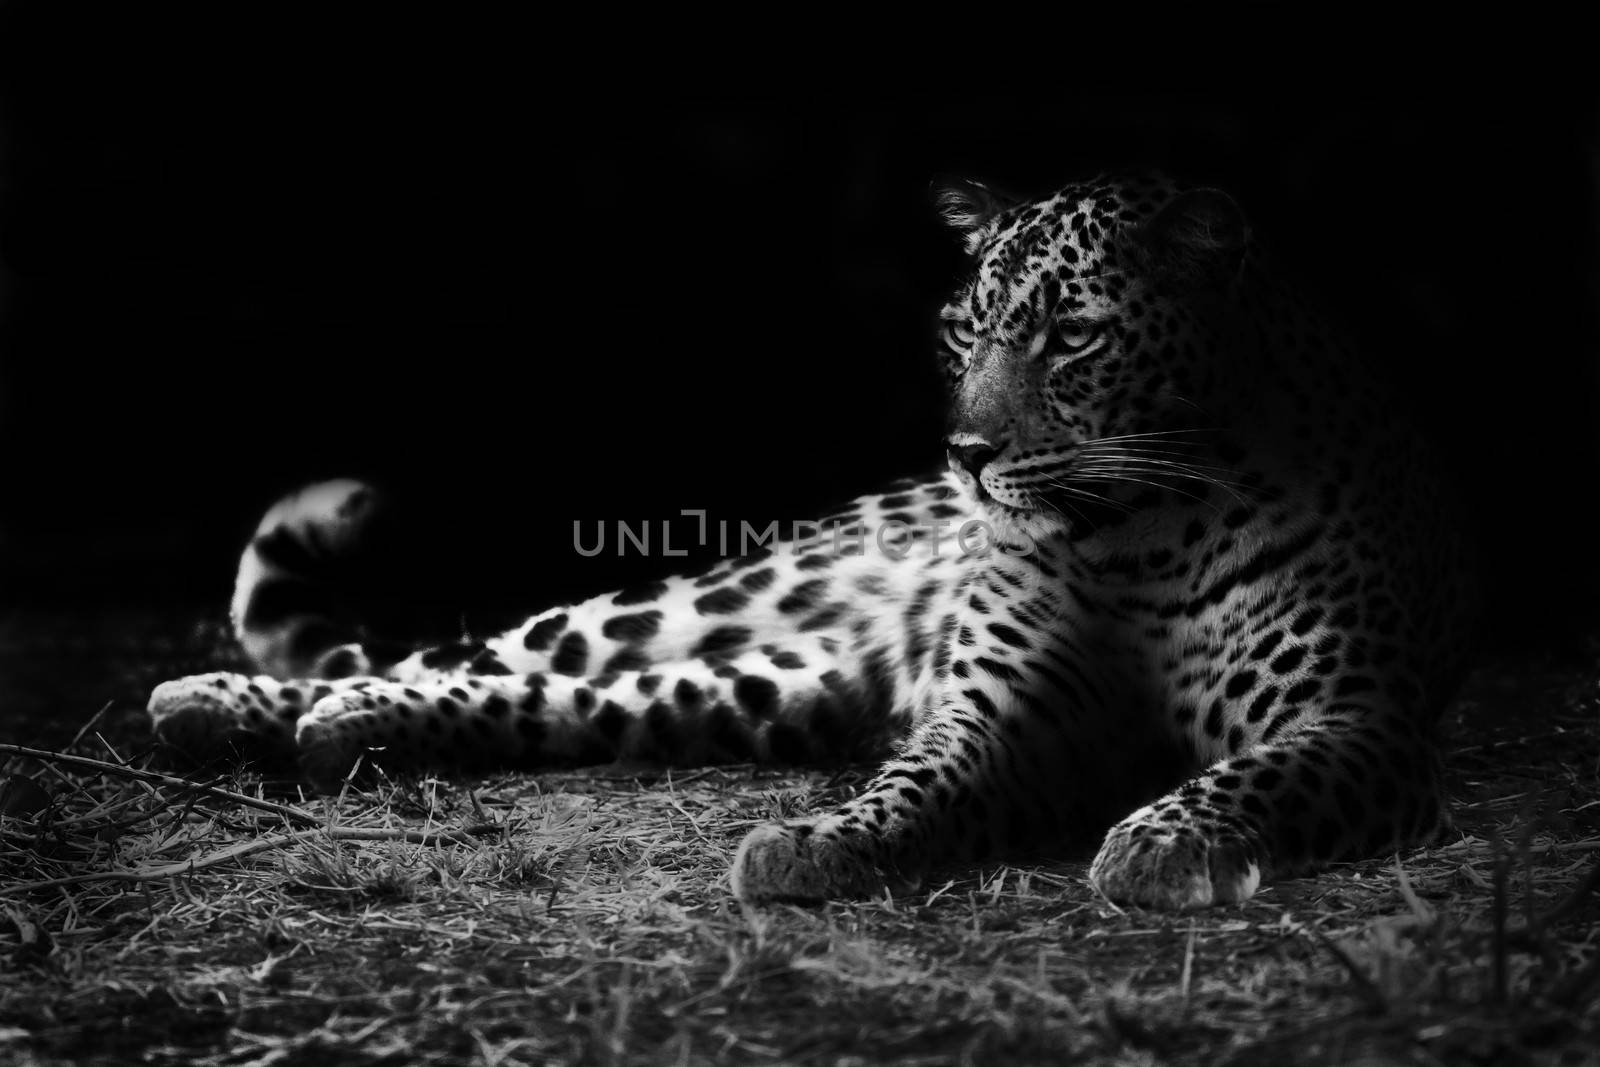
<point>1174,864</point>
<point>336,732</point>
<point>212,716</point>
<point>795,862</point>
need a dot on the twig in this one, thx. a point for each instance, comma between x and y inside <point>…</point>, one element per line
<point>246,848</point>
<point>86,727</point>
<point>294,815</point>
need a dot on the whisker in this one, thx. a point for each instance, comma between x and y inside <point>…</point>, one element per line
<point>1092,497</point>
<point>1158,463</point>
<point>1155,457</point>
<point>1119,459</point>
<point>1153,433</point>
<point>1040,499</point>
<point>1155,485</point>
<point>1175,470</point>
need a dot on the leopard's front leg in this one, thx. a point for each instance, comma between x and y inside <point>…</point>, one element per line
<point>1010,754</point>
<point>1348,781</point>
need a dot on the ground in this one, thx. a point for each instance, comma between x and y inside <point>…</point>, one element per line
<point>585,918</point>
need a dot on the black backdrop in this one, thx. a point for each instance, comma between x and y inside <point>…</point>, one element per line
<point>518,303</point>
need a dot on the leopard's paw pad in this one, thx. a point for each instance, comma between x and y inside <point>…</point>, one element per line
<point>793,862</point>
<point>1173,865</point>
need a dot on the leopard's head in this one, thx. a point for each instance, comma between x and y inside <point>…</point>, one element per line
<point>1082,350</point>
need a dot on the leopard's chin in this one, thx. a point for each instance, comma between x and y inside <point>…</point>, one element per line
<point>1018,526</point>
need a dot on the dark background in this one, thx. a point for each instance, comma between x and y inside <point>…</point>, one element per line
<point>518,302</point>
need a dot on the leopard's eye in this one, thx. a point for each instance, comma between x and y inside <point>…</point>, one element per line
<point>957,334</point>
<point>1075,337</point>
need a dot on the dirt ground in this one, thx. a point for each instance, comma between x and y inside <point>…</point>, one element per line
<point>586,917</point>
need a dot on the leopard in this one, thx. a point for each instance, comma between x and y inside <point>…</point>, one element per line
<point>1188,597</point>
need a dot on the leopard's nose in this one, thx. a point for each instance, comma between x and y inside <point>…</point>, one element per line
<point>972,454</point>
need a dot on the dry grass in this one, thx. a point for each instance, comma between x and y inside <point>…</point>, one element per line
<point>585,918</point>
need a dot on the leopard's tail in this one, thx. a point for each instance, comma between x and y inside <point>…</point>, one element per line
<point>297,595</point>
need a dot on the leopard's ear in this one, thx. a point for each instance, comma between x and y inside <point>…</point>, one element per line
<point>969,207</point>
<point>1197,235</point>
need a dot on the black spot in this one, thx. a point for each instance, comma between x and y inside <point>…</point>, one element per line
<point>1003,671</point>
<point>981,703</point>
<point>447,707</point>
<point>1261,704</point>
<point>1240,684</point>
<point>612,721</point>
<point>721,640</point>
<point>823,619</point>
<point>448,657</point>
<point>583,699</point>
<point>1302,692</point>
<point>1010,635</point>
<point>1305,621</point>
<point>571,655</point>
<point>686,693</point>
<point>756,581</point>
<point>757,695</point>
<point>721,602</point>
<point>1289,659</point>
<point>1265,646</point>
<point>342,664</point>
<point>628,659</point>
<point>814,561</point>
<point>639,594</point>
<point>486,662</point>
<point>543,632</point>
<point>787,661</point>
<point>636,627</point>
<point>496,707</point>
<point>804,596</point>
<point>649,683</point>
